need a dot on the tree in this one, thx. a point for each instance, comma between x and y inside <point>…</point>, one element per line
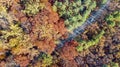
<point>113,18</point>
<point>72,10</point>
<point>103,1</point>
<point>83,45</point>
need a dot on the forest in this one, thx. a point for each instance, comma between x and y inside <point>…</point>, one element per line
<point>59,33</point>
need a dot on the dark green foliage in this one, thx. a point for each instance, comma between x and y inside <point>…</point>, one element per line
<point>75,12</point>
<point>113,18</point>
<point>86,44</point>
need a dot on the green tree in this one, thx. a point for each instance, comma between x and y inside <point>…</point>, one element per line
<point>113,18</point>
<point>103,1</point>
<point>83,45</point>
<point>75,12</point>
<point>33,7</point>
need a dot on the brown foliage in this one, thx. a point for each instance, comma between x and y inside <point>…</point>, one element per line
<point>2,63</point>
<point>67,63</point>
<point>46,28</point>
<point>69,52</point>
<point>22,60</point>
<point>16,10</point>
<point>46,45</point>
